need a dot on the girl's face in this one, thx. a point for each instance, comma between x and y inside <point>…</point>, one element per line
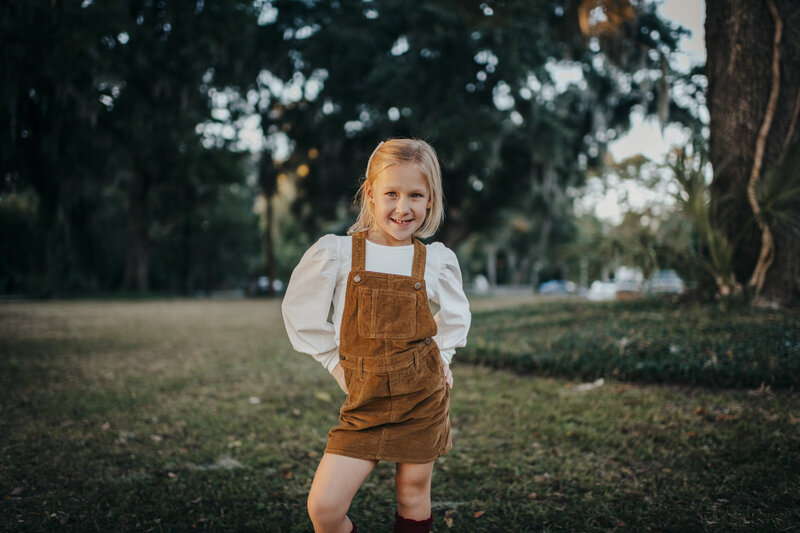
<point>399,198</point>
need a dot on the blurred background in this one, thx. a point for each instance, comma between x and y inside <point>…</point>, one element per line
<point>588,146</point>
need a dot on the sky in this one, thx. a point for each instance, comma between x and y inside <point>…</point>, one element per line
<point>645,136</point>
<point>608,201</point>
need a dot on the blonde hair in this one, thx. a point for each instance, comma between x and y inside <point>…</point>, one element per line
<point>403,151</point>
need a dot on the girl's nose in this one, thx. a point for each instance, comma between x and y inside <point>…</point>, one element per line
<point>402,205</point>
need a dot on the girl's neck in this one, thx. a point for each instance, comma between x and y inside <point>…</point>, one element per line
<point>376,237</point>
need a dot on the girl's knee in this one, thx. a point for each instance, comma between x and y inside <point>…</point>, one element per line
<point>412,488</point>
<point>324,509</point>
<point>319,508</point>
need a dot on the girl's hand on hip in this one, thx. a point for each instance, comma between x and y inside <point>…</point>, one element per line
<point>448,375</point>
<point>338,375</point>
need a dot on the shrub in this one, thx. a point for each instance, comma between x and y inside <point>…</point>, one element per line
<point>653,341</point>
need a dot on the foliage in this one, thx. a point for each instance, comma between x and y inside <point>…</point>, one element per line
<point>778,191</point>
<point>646,341</point>
<point>123,124</point>
<point>477,80</point>
<point>710,247</point>
<point>103,102</point>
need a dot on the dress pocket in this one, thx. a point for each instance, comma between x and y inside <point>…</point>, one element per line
<point>386,314</point>
<point>430,364</point>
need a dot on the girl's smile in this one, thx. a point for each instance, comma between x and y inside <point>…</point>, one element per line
<point>400,199</point>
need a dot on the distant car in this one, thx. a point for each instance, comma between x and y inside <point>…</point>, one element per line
<point>600,290</point>
<point>557,286</point>
<point>664,282</point>
<point>262,284</point>
<point>480,284</point>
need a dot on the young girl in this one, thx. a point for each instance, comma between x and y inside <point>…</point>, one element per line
<point>386,350</point>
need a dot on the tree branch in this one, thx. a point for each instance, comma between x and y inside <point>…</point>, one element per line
<point>767,253</point>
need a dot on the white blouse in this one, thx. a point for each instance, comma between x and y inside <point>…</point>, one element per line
<point>320,279</point>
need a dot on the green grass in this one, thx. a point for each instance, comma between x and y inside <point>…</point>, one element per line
<point>142,416</point>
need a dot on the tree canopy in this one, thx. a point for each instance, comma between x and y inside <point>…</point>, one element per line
<point>123,167</point>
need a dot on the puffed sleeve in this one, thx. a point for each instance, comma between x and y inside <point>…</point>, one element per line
<point>307,303</point>
<point>453,318</point>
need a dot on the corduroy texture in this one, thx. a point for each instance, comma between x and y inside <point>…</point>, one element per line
<point>398,403</point>
<point>407,525</point>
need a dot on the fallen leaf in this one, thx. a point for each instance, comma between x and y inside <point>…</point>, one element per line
<point>583,387</point>
<point>532,495</point>
<point>322,395</point>
<point>448,521</point>
<point>691,434</point>
<point>478,514</point>
<point>234,444</point>
<point>763,390</point>
<point>699,411</point>
<point>288,475</point>
<point>255,400</point>
<point>17,490</point>
<point>156,438</point>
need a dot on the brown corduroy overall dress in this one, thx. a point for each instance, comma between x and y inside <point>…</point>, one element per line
<point>398,403</point>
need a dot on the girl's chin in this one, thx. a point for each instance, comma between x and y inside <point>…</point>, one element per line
<point>397,233</point>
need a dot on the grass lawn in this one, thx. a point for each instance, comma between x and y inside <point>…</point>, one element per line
<point>177,415</point>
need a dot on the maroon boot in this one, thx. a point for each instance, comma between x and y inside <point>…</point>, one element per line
<point>406,525</point>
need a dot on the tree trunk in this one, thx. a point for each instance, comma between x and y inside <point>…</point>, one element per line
<point>739,42</point>
<point>136,252</point>
<point>268,182</point>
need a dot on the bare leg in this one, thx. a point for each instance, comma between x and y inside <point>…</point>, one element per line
<point>413,482</point>
<point>337,480</point>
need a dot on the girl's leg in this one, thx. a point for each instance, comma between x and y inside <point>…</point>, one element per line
<point>413,482</point>
<point>337,480</point>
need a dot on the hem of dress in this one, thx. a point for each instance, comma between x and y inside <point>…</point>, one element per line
<point>391,459</point>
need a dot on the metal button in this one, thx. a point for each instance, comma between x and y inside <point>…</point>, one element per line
<point>418,285</point>
<point>427,341</point>
<point>357,278</point>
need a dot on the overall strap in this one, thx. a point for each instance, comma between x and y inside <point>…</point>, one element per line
<point>418,270</point>
<point>359,251</point>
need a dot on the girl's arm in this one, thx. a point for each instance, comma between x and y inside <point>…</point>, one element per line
<point>453,318</point>
<point>307,303</point>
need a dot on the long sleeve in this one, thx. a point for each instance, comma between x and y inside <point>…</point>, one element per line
<point>453,318</point>
<point>307,303</point>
